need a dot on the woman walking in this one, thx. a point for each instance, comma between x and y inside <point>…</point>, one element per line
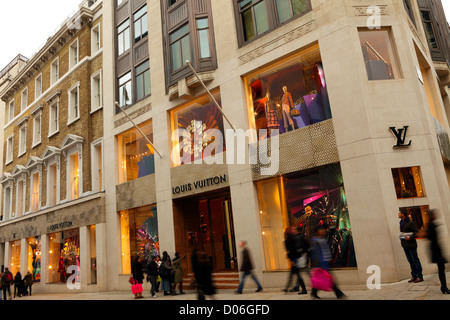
<point>28,281</point>
<point>18,284</point>
<point>138,274</point>
<point>178,273</point>
<point>435,249</point>
<point>203,276</point>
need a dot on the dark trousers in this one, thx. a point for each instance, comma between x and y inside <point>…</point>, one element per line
<point>6,288</point>
<point>414,262</point>
<point>248,273</point>
<point>300,282</point>
<point>152,280</point>
<point>29,289</point>
<point>336,290</point>
<point>180,285</point>
<point>442,278</point>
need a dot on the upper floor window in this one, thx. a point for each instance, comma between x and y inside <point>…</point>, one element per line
<point>255,17</point>
<point>74,104</point>
<point>37,129</point>
<point>379,55</point>
<point>53,118</point>
<point>188,29</point>
<point>119,2</point>
<point>143,80</point>
<point>54,71</point>
<point>11,111</point>
<point>140,24</point>
<point>38,86</point>
<point>22,140</point>
<point>96,91</point>
<point>123,37</point>
<point>125,92</point>
<point>73,54</point>
<point>95,39</point>
<point>9,149</point>
<point>429,31</point>
<point>24,102</point>
<point>409,9</point>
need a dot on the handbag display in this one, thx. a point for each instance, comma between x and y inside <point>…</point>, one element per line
<point>295,113</point>
<point>321,280</point>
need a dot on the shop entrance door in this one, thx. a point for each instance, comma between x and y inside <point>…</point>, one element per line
<point>208,227</point>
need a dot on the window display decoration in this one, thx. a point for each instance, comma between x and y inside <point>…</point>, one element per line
<point>35,255</point>
<point>64,253</point>
<point>318,198</point>
<point>290,97</point>
<point>147,237</point>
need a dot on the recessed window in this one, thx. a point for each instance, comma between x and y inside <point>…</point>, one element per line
<point>11,111</point>
<point>254,18</point>
<point>143,80</point>
<point>37,129</point>
<point>378,54</point>
<point>203,37</point>
<point>53,118</point>
<point>180,47</point>
<point>429,31</point>
<point>417,214</point>
<point>52,186</point>
<point>74,107</point>
<point>97,166</point>
<point>96,91</point>
<point>74,177</point>
<point>286,9</point>
<point>24,102</point>
<point>136,157</point>
<point>73,54</point>
<point>35,192</point>
<point>95,39</point>
<point>38,86</point>
<point>408,182</point>
<point>7,203</point>
<point>20,198</point>
<point>140,25</point>
<point>125,92</point>
<point>123,37</point>
<point>54,72</point>
<point>9,149</point>
<point>22,140</point>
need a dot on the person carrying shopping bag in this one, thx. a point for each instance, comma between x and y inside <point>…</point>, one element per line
<point>138,277</point>
<point>321,279</point>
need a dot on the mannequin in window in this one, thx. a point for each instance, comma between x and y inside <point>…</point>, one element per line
<point>287,105</point>
<point>271,113</point>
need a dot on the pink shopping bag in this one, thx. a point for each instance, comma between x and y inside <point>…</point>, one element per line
<point>136,288</point>
<point>321,280</point>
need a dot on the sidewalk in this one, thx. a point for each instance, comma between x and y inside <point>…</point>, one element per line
<point>427,290</point>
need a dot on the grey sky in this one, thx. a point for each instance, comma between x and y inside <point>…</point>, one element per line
<point>25,25</point>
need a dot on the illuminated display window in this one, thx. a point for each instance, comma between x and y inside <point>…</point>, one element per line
<point>290,95</point>
<point>305,200</point>
<point>408,182</point>
<point>200,124</point>
<point>417,214</point>
<point>139,235</point>
<point>15,257</point>
<point>64,252</point>
<point>136,156</point>
<point>34,258</point>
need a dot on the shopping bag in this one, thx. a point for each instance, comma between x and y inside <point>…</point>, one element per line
<point>321,280</point>
<point>136,288</point>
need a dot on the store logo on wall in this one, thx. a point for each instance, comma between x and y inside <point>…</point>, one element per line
<point>400,134</point>
<point>200,184</point>
<point>61,225</point>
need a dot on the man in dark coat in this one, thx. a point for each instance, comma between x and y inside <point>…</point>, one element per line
<point>247,268</point>
<point>152,275</point>
<point>408,231</point>
<point>7,281</point>
<point>296,247</point>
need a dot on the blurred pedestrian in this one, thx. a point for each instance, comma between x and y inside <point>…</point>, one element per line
<point>18,284</point>
<point>408,232</point>
<point>158,279</point>
<point>138,274</point>
<point>178,272</point>
<point>431,234</point>
<point>247,268</point>
<point>203,274</point>
<point>7,281</point>
<point>321,258</point>
<point>152,275</point>
<point>165,271</point>
<point>297,251</point>
<point>28,282</point>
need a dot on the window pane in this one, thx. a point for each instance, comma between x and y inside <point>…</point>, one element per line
<point>141,12</point>
<point>123,26</point>
<point>144,26</point>
<point>299,6</point>
<point>284,10</point>
<point>407,182</point>
<point>176,56</point>
<point>185,49</point>
<point>121,43</point>
<point>147,87</point>
<point>378,55</point>
<point>139,87</point>
<point>262,23</point>
<point>247,23</point>
<point>137,31</point>
<point>417,214</point>
<point>141,68</point>
<point>127,39</point>
<point>204,44</point>
<point>202,23</point>
<point>179,33</point>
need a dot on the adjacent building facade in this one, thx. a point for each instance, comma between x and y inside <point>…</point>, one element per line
<point>53,202</point>
<point>362,112</point>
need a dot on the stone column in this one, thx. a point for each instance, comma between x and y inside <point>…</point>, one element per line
<point>85,257</point>
<point>44,260</point>
<point>102,270</point>
<point>8,255</point>
<point>23,257</point>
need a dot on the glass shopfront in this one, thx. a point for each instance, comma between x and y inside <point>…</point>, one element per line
<point>136,156</point>
<point>197,123</point>
<point>290,95</point>
<point>64,252</point>
<point>34,258</point>
<point>306,199</point>
<point>408,182</point>
<point>15,257</point>
<point>417,214</point>
<point>139,235</point>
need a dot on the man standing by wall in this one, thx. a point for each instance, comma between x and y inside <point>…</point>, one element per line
<point>408,233</point>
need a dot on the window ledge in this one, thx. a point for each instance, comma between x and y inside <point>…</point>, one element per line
<point>96,109</point>
<point>8,162</point>
<point>21,154</point>
<point>36,144</point>
<point>183,88</point>
<point>73,121</point>
<point>52,134</point>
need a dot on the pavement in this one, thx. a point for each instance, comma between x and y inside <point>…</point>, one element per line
<point>427,290</point>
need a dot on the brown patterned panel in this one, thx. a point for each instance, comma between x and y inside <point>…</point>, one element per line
<point>179,14</point>
<point>141,52</point>
<point>200,6</point>
<point>123,63</point>
<point>121,14</point>
<point>137,3</point>
<point>302,149</point>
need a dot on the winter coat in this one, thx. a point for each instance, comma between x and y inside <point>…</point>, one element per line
<point>138,275</point>
<point>204,278</point>
<point>178,269</point>
<point>247,265</point>
<point>28,280</point>
<point>435,248</point>
<point>152,269</point>
<point>7,279</point>
<point>408,226</point>
<point>165,271</point>
<point>320,253</point>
